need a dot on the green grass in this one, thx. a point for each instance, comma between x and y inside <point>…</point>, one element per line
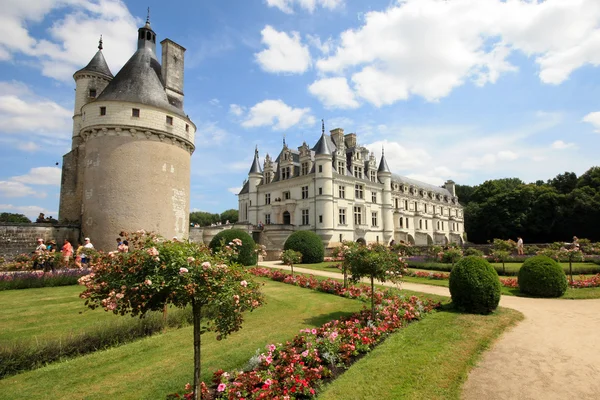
<point>155,366</point>
<point>426,360</point>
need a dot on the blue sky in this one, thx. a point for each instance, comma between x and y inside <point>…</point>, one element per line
<point>467,90</point>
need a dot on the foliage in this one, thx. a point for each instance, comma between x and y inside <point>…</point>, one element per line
<point>542,276</point>
<point>472,251</point>
<point>204,218</point>
<point>230,215</point>
<point>291,257</point>
<point>13,217</point>
<point>309,244</point>
<point>451,255</point>
<point>247,256</point>
<point>376,262</point>
<point>159,273</point>
<point>404,249</point>
<point>509,245</point>
<point>20,356</point>
<point>38,279</point>
<point>474,286</point>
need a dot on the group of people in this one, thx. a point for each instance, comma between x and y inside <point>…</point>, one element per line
<point>45,254</point>
<point>520,251</point>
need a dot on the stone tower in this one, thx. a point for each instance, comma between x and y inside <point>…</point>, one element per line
<point>129,166</point>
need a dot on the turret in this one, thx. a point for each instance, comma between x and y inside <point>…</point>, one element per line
<point>385,177</point>
<point>324,187</point>
<point>255,176</point>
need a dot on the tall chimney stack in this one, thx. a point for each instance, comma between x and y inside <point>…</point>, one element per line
<point>172,71</point>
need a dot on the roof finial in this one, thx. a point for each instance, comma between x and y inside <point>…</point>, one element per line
<point>148,17</point>
<point>322,126</point>
<point>100,43</point>
<point>382,151</point>
<point>284,141</point>
<point>256,150</point>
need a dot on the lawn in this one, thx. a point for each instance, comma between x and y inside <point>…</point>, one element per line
<point>427,360</point>
<point>155,366</point>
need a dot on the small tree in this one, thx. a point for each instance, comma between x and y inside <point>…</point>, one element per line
<point>572,255</point>
<point>375,261</point>
<point>500,256</point>
<point>291,257</point>
<point>261,251</point>
<point>179,273</point>
<point>342,252</point>
<point>504,245</point>
<point>451,255</point>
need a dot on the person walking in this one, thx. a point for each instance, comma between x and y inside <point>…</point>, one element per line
<point>86,245</point>
<point>67,252</point>
<point>520,245</point>
<point>39,254</point>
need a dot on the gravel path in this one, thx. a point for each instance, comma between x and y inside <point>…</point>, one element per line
<point>554,353</point>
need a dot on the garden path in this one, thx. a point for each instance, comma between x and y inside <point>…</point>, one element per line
<point>554,353</point>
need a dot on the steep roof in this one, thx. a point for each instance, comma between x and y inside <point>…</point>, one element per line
<point>322,147</point>
<point>255,168</point>
<point>97,64</point>
<point>422,185</point>
<point>140,81</point>
<point>383,166</point>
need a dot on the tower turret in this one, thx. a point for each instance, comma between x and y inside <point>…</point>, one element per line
<point>255,176</point>
<point>324,187</point>
<point>385,177</point>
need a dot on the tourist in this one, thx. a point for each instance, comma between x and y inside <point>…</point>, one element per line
<point>575,244</point>
<point>392,243</point>
<point>87,245</point>
<point>41,218</point>
<point>260,225</point>
<point>78,256</point>
<point>520,245</point>
<point>67,252</point>
<point>40,252</point>
<point>124,247</point>
<point>119,242</point>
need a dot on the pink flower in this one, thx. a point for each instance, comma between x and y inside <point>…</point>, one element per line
<point>313,331</point>
<point>236,298</point>
<point>221,387</point>
<point>244,283</point>
<point>183,271</point>
<point>148,282</point>
<point>269,360</point>
<point>190,260</point>
<point>271,347</point>
<point>152,251</point>
<point>120,296</point>
<point>268,382</point>
<point>305,353</point>
<point>205,264</point>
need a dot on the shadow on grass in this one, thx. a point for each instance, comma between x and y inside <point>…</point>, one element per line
<point>318,320</point>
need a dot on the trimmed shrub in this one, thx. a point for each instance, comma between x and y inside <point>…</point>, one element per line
<point>542,276</point>
<point>474,286</point>
<point>309,244</point>
<point>247,255</point>
<point>471,251</point>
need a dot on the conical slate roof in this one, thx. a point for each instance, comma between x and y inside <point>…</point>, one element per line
<point>322,147</point>
<point>383,166</point>
<point>255,168</point>
<point>98,65</point>
<point>140,81</point>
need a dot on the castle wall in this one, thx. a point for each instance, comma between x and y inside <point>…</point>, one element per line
<point>70,195</point>
<point>21,238</point>
<point>132,183</point>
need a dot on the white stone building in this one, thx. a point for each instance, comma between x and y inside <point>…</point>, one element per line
<point>129,164</point>
<point>338,190</point>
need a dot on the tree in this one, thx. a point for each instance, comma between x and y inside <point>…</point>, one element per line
<point>291,257</point>
<point>203,218</point>
<point>464,193</point>
<point>564,183</point>
<point>375,261</point>
<point>180,273</point>
<point>13,217</point>
<point>229,215</point>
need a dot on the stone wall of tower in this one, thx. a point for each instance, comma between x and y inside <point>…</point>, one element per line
<point>84,82</point>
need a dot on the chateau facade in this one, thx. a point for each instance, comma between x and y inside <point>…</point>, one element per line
<point>129,164</point>
<point>338,190</point>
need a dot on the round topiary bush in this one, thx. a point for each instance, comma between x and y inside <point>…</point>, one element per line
<point>247,255</point>
<point>309,244</point>
<point>474,285</point>
<point>542,276</point>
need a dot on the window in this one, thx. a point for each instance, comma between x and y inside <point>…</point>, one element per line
<point>406,204</point>
<point>93,93</point>
<point>268,198</point>
<point>420,224</point>
<point>373,176</point>
<point>396,202</point>
<point>373,219</point>
<point>442,225</point>
<point>320,219</point>
<point>267,219</point>
<point>320,168</point>
<point>438,225</point>
<point>406,223</point>
<point>357,216</point>
<point>102,110</point>
<point>320,190</point>
<point>342,216</point>
<point>373,197</point>
<point>426,227</point>
<point>358,191</point>
<point>401,222</point>
<point>187,127</point>
<point>285,173</point>
<point>169,120</point>
<point>135,112</point>
<point>342,192</point>
<point>305,192</point>
<point>304,168</point>
<point>425,207</point>
<point>415,206</point>
<point>286,195</point>
<point>341,238</point>
<point>341,168</point>
<point>304,217</point>
<point>358,172</point>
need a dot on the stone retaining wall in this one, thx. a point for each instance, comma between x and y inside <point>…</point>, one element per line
<point>21,238</point>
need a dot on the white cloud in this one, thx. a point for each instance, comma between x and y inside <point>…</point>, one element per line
<point>22,111</point>
<point>284,53</point>
<point>560,145</point>
<point>427,48</point>
<point>399,158</point>
<point>236,110</point>
<point>40,176</point>
<point>18,189</point>
<point>30,147</point>
<point>277,114</point>
<point>234,190</point>
<point>214,102</point>
<point>432,180</point>
<point>334,93</point>
<point>212,134</point>
<point>71,40</point>
<point>594,119</point>
<point>324,47</point>
<point>309,5</point>
<point>31,212</point>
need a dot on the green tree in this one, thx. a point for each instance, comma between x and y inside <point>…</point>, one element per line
<point>204,218</point>
<point>230,215</point>
<point>564,183</point>
<point>464,193</point>
<point>291,257</point>
<point>161,272</point>
<point>13,217</point>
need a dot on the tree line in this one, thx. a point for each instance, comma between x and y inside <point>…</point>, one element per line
<point>540,212</point>
<point>204,218</point>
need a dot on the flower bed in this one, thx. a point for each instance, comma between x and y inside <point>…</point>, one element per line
<point>298,367</point>
<point>584,282</point>
<point>37,279</point>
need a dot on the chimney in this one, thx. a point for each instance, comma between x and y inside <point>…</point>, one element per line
<point>449,185</point>
<point>350,140</point>
<point>172,71</point>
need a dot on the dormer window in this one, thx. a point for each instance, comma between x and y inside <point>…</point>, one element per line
<point>93,93</point>
<point>169,120</point>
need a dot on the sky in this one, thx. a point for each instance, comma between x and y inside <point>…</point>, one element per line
<point>468,90</point>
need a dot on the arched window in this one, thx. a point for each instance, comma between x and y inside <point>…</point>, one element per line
<point>286,218</point>
<point>148,36</point>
